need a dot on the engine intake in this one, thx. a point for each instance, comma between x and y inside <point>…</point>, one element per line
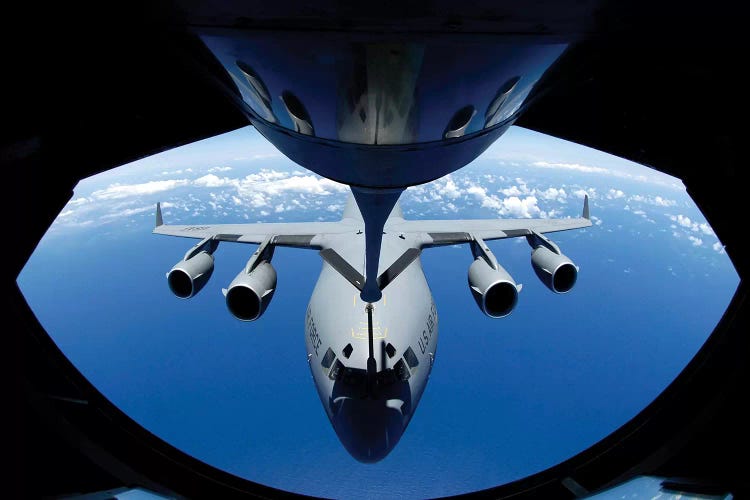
<point>494,290</point>
<point>555,270</point>
<point>187,277</point>
<point>249,294</point>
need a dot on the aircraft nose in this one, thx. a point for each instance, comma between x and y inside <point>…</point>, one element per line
<point>368,428</point>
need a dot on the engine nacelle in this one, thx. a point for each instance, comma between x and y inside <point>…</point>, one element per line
<point>187,277</point>
<point>555,270</point>
<point>249,294</point>
<point>494,290</point>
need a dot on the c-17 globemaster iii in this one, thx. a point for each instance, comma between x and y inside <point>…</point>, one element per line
<point>371,361</point>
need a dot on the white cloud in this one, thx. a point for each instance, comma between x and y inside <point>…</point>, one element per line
<point>613,194</point>
<point>658,179</point>
<point>706,229</point>
<point>128,212</point>
<point>477,191</point>
<point>517,207</point>
<point>259,188</point>
<point>261,156</point>
<point>571,166</point>
<point>117,191</point>
<point>219,169</point>
<point>79,201</point>
<point>522,185</point>
<point>512,191</point>
<point>221,197</point>
<point>274,183</point>
<point>685,221</point>
<point>653,200</point>
<point>581,193</point>
<point>449,189</point>
<point>662,202</point>
<point>718,247</point>
<point>211,180</point>
<point>554,194</point>
<point>493,202</point>
<point>258,200</point>
<point>307,184</point>
<point>84,223</point>
<point>682,220</point>
<point>696,241</point>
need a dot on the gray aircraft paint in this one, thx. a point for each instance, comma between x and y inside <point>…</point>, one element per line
<point>405,318</point>
<point>369,414</point>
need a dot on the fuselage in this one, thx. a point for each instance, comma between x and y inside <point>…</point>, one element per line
<point>371,331</point>
<point>370,412</point>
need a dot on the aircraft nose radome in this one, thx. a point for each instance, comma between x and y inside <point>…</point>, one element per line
<point>368,429</point>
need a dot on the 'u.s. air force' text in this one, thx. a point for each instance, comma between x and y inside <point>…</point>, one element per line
<point>430,325</point>
<point>312,332</point>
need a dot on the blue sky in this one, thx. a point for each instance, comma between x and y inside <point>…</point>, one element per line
<point>507,397</point>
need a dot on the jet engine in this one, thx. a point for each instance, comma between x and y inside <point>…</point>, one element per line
<point>494,290</point>
<point>555,270</point>
<point>188,276</point>
<point>250,292</point>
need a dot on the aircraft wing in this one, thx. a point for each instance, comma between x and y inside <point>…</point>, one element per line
<point>451,232</point>
<point>292,234</point>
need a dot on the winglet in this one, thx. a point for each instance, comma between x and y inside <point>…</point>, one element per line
<point>159,220</point>
<point>585,213</point>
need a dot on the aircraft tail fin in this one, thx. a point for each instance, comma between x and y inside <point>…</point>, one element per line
<point>585,213</point>
<point>351,210</point>
<point>397,212</point>
<point>159,219</point>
